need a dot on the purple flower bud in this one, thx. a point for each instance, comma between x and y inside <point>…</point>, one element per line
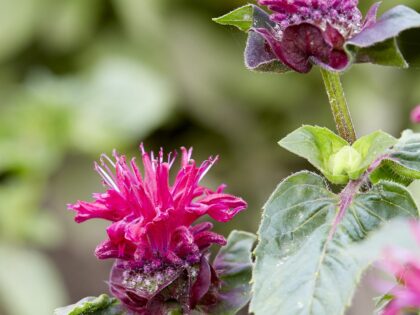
<point>329,33</point>
<point>313,31</point>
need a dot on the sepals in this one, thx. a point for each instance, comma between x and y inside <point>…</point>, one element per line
<point>160,288</point>
<point>258,54</point>
<point>149,289</point>
<point>335,157</point>
<point>219,288</point>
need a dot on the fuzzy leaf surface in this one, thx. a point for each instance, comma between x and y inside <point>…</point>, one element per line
<point>101,305</point>
<point>258,56</point>
<point>377,43</point>
<point>303,265</point>
<point>370,148</point>
<point>233,264</point>
<point>402,163</point>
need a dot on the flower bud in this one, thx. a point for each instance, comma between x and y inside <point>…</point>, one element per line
<point>345,161</point>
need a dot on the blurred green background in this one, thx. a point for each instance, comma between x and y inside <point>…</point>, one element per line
<point>81,77</point>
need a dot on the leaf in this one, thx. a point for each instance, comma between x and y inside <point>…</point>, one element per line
<point>384,53</point>
<point>259,58</point>
<point>102,305</point>
<point>234,267</point>
<point>241,17</point>
<point>29,282</point>
<point>377,43</point>
<point>316,144</point>
<point>302,263</point>
<point>402,163</point>
<point>332,155</point>
<point>370,148</point>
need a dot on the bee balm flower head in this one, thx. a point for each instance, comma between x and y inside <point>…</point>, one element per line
<point>161,254</point>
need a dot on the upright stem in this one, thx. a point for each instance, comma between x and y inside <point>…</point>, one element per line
<point>338,105</point>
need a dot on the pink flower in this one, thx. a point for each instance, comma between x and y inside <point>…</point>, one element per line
<point>415,115</point>
<point>152,233</point>
<point>405,295</point>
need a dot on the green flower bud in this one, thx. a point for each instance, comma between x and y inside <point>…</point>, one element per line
<point>344,161</point>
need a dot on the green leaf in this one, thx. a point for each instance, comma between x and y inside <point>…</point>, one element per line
<point>378,42</point>
<point>384,53</point>
<point>102,305</point>
<point>234,267</point>
<point>302,265</point>
<point>370,148</point>
<point>402,163</point>
<point>317,145</point>
<point>241,17</point>
<point>333,155</point>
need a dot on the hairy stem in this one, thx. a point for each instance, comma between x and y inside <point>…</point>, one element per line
<point>338,105</point>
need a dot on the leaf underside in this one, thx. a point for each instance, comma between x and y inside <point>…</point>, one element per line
<point>233,264</point>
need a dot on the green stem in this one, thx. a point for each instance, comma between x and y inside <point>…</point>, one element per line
<point>339,106</point>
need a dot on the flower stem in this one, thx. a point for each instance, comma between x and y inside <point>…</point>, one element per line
<point>338,105</point>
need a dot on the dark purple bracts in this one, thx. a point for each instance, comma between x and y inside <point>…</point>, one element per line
<point>308,32</point>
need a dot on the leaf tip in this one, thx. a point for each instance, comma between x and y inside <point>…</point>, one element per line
<point>242,18</point>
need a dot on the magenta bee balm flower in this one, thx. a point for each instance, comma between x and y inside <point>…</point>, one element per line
<point>415,115</point>
<point>329,33</point>
<point>405,266</point>
<point>161,253</point>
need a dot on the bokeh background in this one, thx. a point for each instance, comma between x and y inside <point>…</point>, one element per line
<point>78,78</point>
